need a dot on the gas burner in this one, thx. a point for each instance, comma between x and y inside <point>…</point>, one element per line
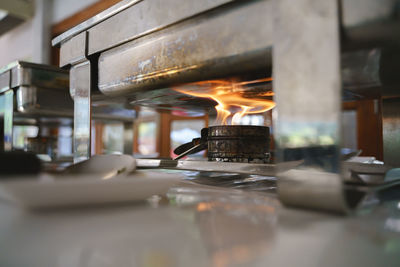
<point>238,143</point>
<point>230,143</point>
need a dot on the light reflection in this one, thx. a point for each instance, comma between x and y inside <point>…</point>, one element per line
<point>235,255</point>
<point>109,175</point>
<point>162,73</point>
<point>236,232</point>
<point>206,206</point>
<point>301,134</point>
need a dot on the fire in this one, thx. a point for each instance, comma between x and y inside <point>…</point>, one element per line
<point>229,95</point>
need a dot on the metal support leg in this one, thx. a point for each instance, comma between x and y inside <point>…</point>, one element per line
<point>307,86</point>
<point>128,138</point>
<point>389,68</point>
<point>391,131</point>
<point>80,86</point>
<point>6,113</point>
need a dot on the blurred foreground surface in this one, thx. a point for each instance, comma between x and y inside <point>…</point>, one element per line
<point>199,226</point>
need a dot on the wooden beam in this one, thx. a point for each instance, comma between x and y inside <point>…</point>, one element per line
<point>99,130</point>
<point>163,135</point>
<point>350,105</point>
<point>369,128</point>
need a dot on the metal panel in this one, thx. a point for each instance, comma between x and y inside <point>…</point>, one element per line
<point>20,76</point>
<point>194,50</point>
<point>40,89</point>
<point>5,80</point>
<point>391,131</point>
<point>6,119</point>
<point>28,74</point>
<point>81,88</point>
<point>307,89</point>
<point>143,18</point>
<point>307,77</point>
<point>45,102</point>
<point>74,50</point>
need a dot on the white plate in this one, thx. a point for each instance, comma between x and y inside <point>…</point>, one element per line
<point>48,191</point>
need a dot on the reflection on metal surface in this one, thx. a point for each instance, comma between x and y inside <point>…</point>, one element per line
<point>234,202</point>
<point>37,101</point>
<point>7,112</point>
<point>367,173</point>
<point>218,231</point>
<point>212,166</point>
<point>296,134</point>
<point>236,234</point>
<point>81,86</point>
<point>236,226</point>
<point>312,189</point>
<point>265,184</point>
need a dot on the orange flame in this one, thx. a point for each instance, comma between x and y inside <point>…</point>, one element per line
<point>229,97</point>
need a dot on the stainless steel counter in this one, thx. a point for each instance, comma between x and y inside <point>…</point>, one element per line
<point>222,227</point>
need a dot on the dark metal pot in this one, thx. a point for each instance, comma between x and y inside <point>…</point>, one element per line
<point>238,143</point>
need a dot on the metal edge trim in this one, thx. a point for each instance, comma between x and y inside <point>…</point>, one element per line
<point>22,64</point>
